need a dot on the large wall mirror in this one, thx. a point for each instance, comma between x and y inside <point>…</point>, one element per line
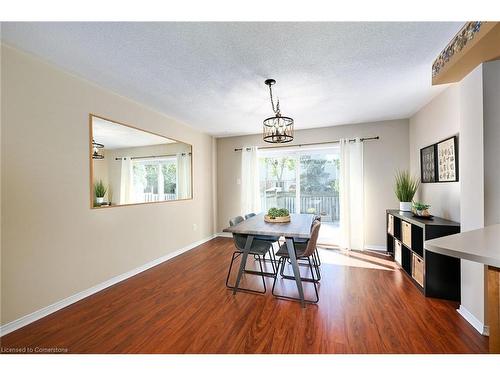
<point>133,166</point>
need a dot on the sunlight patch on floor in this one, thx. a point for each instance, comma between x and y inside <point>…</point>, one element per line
<point>354,259</point>
<point>329,232</point>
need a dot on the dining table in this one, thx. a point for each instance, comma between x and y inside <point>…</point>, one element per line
<point>299,227</point>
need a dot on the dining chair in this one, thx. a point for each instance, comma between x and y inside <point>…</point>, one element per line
<point>272,257</point>
<point>316,258</point>
<point>258,249</point>
<point>300,244</point>
<point>302,251</point>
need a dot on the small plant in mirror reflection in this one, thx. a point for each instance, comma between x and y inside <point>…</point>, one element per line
<point>99,189</point>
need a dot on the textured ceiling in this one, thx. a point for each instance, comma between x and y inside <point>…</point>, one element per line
<point>113,135</point>
<point>211,75</point>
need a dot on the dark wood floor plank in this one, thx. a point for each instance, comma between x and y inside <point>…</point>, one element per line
<point>367,305</point>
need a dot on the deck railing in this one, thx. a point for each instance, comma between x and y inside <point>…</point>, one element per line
<point>326,205</point>
<point>150,197</point>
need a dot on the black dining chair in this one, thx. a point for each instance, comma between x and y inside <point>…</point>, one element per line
<point>302,251</point>
<point>266,238</point>
<point>272,256</point>
<point>258,249</point>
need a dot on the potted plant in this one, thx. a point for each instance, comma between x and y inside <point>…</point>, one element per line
<point>405,189</point>
<point>99,191</point>
<point>421,209</point>
<point>277,215</point>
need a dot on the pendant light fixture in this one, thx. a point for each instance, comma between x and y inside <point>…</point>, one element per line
<point>96,147</point>
<point>277,129</point>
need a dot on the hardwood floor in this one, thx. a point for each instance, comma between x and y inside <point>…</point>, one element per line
<point>367,305</point>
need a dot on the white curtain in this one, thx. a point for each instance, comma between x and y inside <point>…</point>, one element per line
<point>160,183</point>
<point>352,231</point>
<point>126,180</point>
<point>250,197</point>
<point>183,176</point>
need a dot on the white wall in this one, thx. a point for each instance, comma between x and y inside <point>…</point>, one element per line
<point>471,166</point>
<point>53,244</point>
<point>457,110</point>
<point>438,120</point>
<point>381,160</point>
<point>491,95</point>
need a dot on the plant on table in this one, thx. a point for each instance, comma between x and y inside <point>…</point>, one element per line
<point>274,212</point>
<point>421,208</point>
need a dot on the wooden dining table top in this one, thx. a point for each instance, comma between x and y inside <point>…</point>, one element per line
<point>298,227</point>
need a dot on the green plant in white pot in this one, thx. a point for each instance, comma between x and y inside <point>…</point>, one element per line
<point>99,191</point>
<point>405,189</point>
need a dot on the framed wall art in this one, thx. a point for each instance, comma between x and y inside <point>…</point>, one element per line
<point>439,161</point>
<point>428,164</point>
<point>447,160</point>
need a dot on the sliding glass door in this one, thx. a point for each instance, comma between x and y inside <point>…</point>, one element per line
<point>319,185</point>
<point>303,181</point>
<point>278,180</point>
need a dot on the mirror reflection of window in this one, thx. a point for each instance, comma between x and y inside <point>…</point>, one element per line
<point>137,166</point>
<point>155,179</point>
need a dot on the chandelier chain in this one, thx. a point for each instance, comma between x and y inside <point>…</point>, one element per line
<point>277,109</point>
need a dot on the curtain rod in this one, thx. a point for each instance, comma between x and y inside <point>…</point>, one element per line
<point>153,156</point>
<point>314,144</point>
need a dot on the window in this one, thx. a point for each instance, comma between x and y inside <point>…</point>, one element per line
<point>154,179</point>
<point>303,181</point>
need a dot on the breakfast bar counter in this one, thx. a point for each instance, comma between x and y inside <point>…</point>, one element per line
<point>482,246</point>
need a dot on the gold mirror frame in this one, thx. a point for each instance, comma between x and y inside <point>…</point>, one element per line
<point>91,163</point>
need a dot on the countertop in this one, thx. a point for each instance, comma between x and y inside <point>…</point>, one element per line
<point>480,245</point>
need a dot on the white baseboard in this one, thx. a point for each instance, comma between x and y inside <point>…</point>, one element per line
<point>224,234</point>
<point>30,318</point>
<point>473,321</point>
<point>375,247</point>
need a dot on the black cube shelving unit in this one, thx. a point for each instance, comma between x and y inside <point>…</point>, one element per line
<point>441,273</point>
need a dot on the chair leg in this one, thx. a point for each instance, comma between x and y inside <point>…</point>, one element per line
<point>317,256</point>
<point>272,257</point>
<point>281,263</point>
<point>314,278</point>
<point>318,273</point>
<point>316,266</point>
<point>276,276</point>
<point>282,270</point>
<point>236,254</point>
<point>262,275</point>
<point>314,282</point>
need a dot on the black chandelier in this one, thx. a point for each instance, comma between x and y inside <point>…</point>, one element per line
<point>277,129</point>
<point>96,153</point>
